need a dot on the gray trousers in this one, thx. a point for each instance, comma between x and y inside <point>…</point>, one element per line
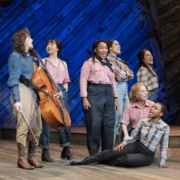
<point>100,118</point>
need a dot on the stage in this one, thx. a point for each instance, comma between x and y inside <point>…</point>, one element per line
<point>62,170</point>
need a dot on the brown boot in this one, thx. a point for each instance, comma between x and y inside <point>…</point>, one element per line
<point>22,158</point>
<point>31,156</point>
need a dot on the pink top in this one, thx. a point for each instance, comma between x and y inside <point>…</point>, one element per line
<point>95,72</point>
<point>59,73</point>
<point>133,113</point>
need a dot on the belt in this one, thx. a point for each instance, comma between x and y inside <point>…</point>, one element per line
<point>89,83</point>
<point>24,80</point>
<point>28,82</point>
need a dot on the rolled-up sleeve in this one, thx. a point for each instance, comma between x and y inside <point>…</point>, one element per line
<point>126,115</point>
<point>114,88</point>
<point>85,73</point>
<point>164,146</point>
<point>66,78</point>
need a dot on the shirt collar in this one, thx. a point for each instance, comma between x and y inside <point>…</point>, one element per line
<point>134,104</point>
<point>157,123</point>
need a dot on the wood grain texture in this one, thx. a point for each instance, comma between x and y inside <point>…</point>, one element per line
<point>77,24</point>
<point>61,170</point>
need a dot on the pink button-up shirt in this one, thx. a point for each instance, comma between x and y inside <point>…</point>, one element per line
<point>59,73</point>
<point>96,73</point>
<point>133,113</point>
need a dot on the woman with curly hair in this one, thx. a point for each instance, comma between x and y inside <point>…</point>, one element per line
<point>24,100</point>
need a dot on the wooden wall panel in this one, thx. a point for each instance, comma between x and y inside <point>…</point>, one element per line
<point>168,15</point>
<point>77,24</point>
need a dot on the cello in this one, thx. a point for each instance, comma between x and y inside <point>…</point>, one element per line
<point>52,109</point>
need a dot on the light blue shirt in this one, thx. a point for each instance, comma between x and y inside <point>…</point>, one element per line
<point>152,136</point>
<point>18,65</point>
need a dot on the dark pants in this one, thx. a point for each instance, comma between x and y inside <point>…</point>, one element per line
<point>133,155</point>
<point>100,118</point>
<point>121,134</point>
<point>64,134</point>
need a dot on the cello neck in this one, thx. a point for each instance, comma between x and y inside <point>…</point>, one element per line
<point>35,53</point>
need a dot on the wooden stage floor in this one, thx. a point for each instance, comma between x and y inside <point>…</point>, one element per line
<point>61,170</point>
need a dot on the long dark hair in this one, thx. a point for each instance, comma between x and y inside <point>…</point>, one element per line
<point>110,42</point>
<point>18,41</point>
<point>141,62</point>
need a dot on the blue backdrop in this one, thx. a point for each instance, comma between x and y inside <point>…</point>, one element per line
<point>77,24</point>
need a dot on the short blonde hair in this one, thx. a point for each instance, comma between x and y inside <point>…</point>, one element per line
<point>133,95</point>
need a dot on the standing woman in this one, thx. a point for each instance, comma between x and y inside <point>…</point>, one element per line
<point>99,98</point>
<point>122,75</point>
<point>146,73</point>
<point>59,72</point>
<point>137,109</point>
<point>24,99</point>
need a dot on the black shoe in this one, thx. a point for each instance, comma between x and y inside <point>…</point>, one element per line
<point>86,160</point>
<point>66,154</point>
<point>76,162</point>
<point>46,156</point>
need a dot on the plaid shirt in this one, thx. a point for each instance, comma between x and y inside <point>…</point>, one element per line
<point>152,136</point>
<point>143,75</point>
<point>121,70</point>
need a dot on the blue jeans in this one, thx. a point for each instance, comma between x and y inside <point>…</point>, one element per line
<point>123,100</point>
<point>153,95</point>
<point>64,134</point>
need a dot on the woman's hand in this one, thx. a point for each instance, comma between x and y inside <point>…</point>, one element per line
<point>86,104</point>
<point>59,94</point>
<point>18,106</point>
<point>119,147</point>
<point>116,104</point>
<point>165,166</point>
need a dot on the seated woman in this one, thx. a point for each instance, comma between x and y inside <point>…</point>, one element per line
<point>139,149</point>
<point>137,109</point>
